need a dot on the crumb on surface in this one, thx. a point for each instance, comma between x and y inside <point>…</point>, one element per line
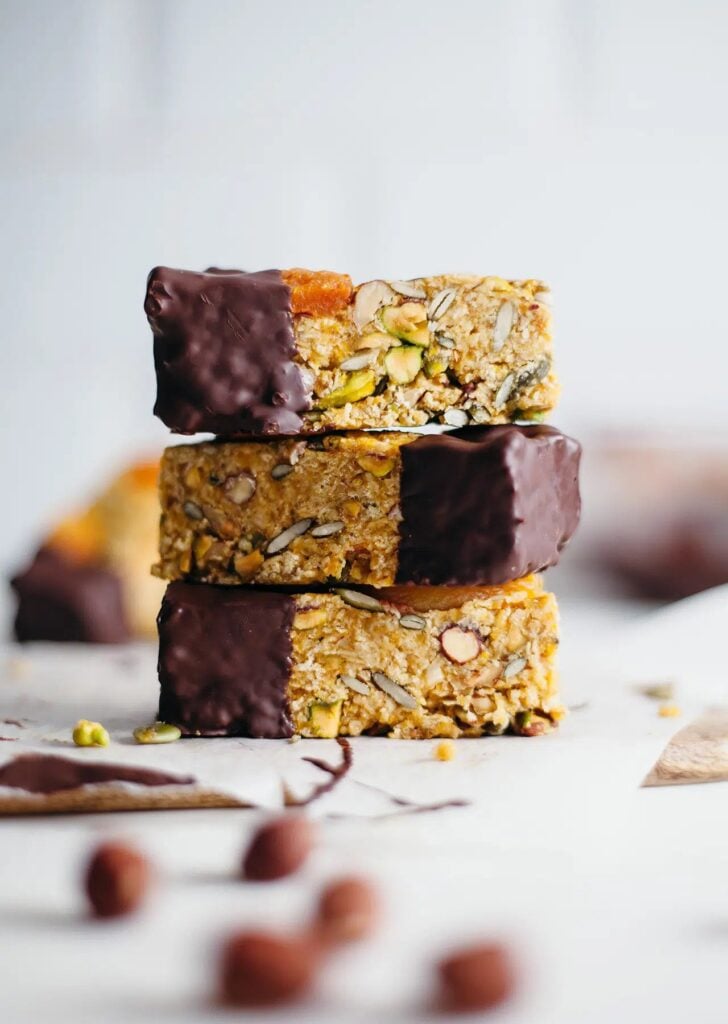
<point>669,711</point>
<point>445,751</point>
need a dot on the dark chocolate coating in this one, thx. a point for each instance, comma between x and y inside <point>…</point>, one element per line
<point>63,600</point>
<point>486,505</point>
<point>223,352</point>
<point>43,773</point>
<point>225,660</point>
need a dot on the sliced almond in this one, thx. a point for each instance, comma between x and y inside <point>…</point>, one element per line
<point>514,667</point>
<point>357,362</point>
<point>327,529</point>
<point>460,645</point>
<point>441,303</point>
<point>375,340</point>
<point>369,298</point>
<point>503,324</point>
<point>281,542</point>
<point>394,690</point>
<point>355,684</point>
<point>410,289</point>
<point>365,602</point>
<point>433,674</point>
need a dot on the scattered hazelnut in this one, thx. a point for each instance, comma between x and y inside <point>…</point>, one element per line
<point>262,969</point>
<point>445,751</point>
<point>278,848</point>
<point>347,911</point>
<point>90,734</point>
<point>117,880</point>
<point>476,978</point>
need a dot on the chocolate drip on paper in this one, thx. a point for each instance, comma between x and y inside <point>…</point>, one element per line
<point>41,773</point>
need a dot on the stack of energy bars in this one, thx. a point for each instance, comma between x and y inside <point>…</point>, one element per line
<point>331,575</point>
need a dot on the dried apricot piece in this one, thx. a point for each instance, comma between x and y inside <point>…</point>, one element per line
<point>318,292</point>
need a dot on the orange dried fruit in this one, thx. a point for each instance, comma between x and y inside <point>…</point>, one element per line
<point>318,292</point>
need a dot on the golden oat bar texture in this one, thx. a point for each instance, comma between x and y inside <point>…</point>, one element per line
<point>410,662</point>
<point>482,506</point>
<point>297,351</point>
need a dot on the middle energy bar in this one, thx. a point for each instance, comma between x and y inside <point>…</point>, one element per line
<point>482,506</point>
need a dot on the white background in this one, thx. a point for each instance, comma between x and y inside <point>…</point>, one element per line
<point>576,140</point>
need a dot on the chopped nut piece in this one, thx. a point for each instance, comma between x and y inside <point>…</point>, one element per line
<point>669,711</point>
<point>379,465</point>
<point>360,384</point>
<point>240,488</point>
<point>659,691</point>
<point>445,751</point>
<point>375,340</point>
<point>324,719</point>
<point>407,322</point>
<point>90,734</point>
<point>310,618</point>
<point>157,732</point>
<point>246,566</point>
<point>357,362</point>
<point>531,723</point>
<point>369,298</point>
<point>403,363</point>
<point>455,417</point>
<point>410,289</point>
<point>514,667</point>
<point>460,645</point>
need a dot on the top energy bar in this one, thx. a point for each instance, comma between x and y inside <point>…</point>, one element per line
<point>305,352</point>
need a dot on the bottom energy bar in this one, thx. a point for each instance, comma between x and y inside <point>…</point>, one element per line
<point>410,662</point>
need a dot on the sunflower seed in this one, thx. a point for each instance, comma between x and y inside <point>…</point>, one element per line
<point>368,299</point>
<point>356,599</point>
<point>533,374</point>
<point>445,342</point>
<point>394,690</point>
<point>504,391</point>
<point>327,529</point>
<point>441,303</point>
<point>514,667</point>
<point>357,362</point>
<point>412,622</point>
<point>503,324</point>
<point>192,511</point>
<point>282,541</point>
<point>355,684</point>
<point>409,289</point>
<point>281,470</point>
<point>455,417</point>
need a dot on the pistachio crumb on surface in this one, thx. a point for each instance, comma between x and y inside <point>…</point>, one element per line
<point>90,734</point>
<point>445,751</point>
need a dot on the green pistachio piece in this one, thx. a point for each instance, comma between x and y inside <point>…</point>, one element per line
<point>358,385</point>
<point>157,732</point>
<point>435,365</point>
<point>407,322</point>
<point>324,719</point>
<point>403,363</point>
<point>90,734</point>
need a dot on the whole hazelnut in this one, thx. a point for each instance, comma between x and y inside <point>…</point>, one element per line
<point>263,969</point>
<point>278,848</point>
<point>117,880</point>
<point>476,978</point>
<point>348,910</point>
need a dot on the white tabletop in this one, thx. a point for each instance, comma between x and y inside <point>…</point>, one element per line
<point>614,896</point>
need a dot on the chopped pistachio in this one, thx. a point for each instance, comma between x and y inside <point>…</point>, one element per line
<point>90,734</point>
<point>157,732</point>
